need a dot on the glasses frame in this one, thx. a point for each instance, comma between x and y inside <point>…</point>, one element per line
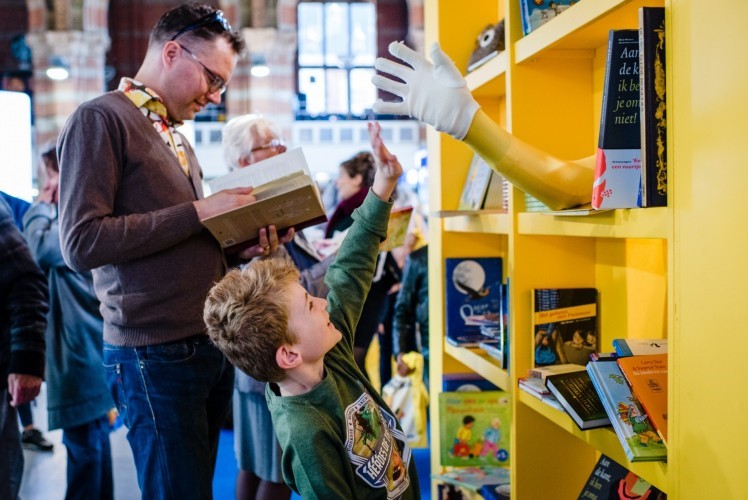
<point>275,143</point>
<point>216,83</point>
<point>213,17</point>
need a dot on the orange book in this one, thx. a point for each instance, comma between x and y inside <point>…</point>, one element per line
<point>647,376</point>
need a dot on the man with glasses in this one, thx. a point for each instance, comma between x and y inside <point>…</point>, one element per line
<point>131,203</point>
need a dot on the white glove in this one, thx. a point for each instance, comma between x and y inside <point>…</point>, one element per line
<point>433,93</point>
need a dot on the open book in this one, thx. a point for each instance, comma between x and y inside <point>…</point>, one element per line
<point>287,196</point>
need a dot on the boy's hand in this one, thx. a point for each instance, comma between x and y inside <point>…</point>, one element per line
<point>389,169</point>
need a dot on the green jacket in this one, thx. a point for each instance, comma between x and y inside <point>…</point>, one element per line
<point>340,440</point>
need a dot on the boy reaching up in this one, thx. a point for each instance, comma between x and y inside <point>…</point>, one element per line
<point>338,437</point>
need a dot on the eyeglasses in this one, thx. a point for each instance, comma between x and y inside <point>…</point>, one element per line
<point>275,144</point>
<point>213,17</point>
<point>215,82</point>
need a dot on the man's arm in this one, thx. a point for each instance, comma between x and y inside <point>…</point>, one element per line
<point>43,236</point>
<point>23,288</point>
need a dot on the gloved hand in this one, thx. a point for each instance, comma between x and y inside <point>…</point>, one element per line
<point>433,93</point>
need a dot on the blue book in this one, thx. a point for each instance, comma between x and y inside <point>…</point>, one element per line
<point>637,347</point>
<point>473,296</point>
<point>636,433</point>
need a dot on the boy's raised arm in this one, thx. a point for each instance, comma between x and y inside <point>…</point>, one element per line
<point>389,169</point>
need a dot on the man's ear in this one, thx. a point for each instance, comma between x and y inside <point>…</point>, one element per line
<point>169,53</point>
<point>287,357</point>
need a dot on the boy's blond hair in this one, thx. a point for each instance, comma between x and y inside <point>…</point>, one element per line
<point>246,314</point>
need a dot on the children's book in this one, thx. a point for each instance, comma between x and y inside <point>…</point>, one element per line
<point>618,164</point>
<point>535,13</point>
<point>575,392</point>
<point>564,325</point>
<point>633,427</point>
<point>653,106</point>
<point>647,377</point>
<point>609,479</point>
<point>474,428</point>
<point>466,382</point>
<point>473,297</point>
<point>635,347</point>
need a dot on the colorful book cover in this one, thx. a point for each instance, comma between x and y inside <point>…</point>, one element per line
<point>575,392</point>
<point>476,185</point>
<point>618,165</point>
<point>535,13</point>
<point>473,296</point>
<point>609,479</point>
<point>635,431</point>
<point>474,428</point>
<point>636,347</point>
<point>653,106</point>
<point>564,325</point>
<point>647,377</point>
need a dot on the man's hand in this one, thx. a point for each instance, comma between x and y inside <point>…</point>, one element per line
<point>389,169</point>
<point>223,201</point>
<point>268,244</point>
<point>23,388</point>
<point>433,93</point>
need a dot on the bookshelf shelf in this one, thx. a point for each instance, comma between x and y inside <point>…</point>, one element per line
<point>481,363</point>
<point>489,78</point>
<point>603,439</point>
<point>623,223</point>
<point>494,223</point>
<point>583,27</point>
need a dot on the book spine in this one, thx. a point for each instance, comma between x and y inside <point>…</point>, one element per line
<point>652,104</point>
<point>617,169</point>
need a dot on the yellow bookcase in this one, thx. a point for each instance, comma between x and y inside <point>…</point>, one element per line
<point>677,272</point>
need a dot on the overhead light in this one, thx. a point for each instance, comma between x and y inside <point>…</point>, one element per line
<point>259,69</point>
<point>58,69</point>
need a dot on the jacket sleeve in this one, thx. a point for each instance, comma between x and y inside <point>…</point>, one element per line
<point>404,321</point>
<point>23,288</point>
<point>41,231</point>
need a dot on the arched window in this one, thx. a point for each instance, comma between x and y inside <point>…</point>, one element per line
<point>337,49</point>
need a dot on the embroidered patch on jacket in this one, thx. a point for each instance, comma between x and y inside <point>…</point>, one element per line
<point>378,450</point>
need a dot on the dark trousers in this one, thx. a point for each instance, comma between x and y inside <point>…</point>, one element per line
<point>89,468</point>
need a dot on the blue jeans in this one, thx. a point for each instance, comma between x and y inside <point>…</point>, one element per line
<point>173,399</point>
<point>89,470</point>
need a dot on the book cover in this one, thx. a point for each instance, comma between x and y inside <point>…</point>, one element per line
<point>466,382</point>
<point>536,13</point>
<point>609,479</point>
<point>474,428</point>
<point>476,184</point>
<point>497,194</point>
<point>534,385</point>
<point>397,228</point>
<point>636,433</point>
<point>647,377</point>
<point>473,296</point>
<point>542,372</point>
<point>653,106</point>
<point>488,44</point>
<point>635,347</point>
<point>575,392</point>
<point>286,196</point>
<point>618,163</point>
<point>564,325</point>
<point>475,477</point>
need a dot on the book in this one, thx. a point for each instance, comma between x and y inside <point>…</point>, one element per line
<point>536,13</point>
<point>578,211</point>
<point>618,163</point>
<point>575,392</point>
<point>466,382</point>
<point>647,376</point>
<point>476,184</point>
<point>471,340</point>
<point>397,228</point>
<point>286,195</point>
<point>488,44</point>
<point>534,385</point>
<point>497,194</point>
<point>542,372</point>
<point>653,106</point>
<point>475,477</point>
<point>633,427</point>
<point>635,347</point>
<point>564,325</point>
<point>474,428</point>
<point>609,479</point>
<point>473,296</point>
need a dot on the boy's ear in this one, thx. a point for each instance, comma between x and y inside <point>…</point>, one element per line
<point>287,357</point>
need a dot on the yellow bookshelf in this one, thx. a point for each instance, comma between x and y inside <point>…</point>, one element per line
<point>676,272</point>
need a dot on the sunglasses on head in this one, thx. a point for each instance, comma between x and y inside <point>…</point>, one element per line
<point>213,17</point>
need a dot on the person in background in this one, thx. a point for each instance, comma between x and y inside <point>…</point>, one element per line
<point>353,183</point>
<point>339,437</point>
<point>31,437</point>
<point>132,214</point>
<point>74,351</point>
<point>23,309</point>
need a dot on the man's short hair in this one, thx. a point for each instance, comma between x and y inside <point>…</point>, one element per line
<point>195,21</point>
<point>247,314</point>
